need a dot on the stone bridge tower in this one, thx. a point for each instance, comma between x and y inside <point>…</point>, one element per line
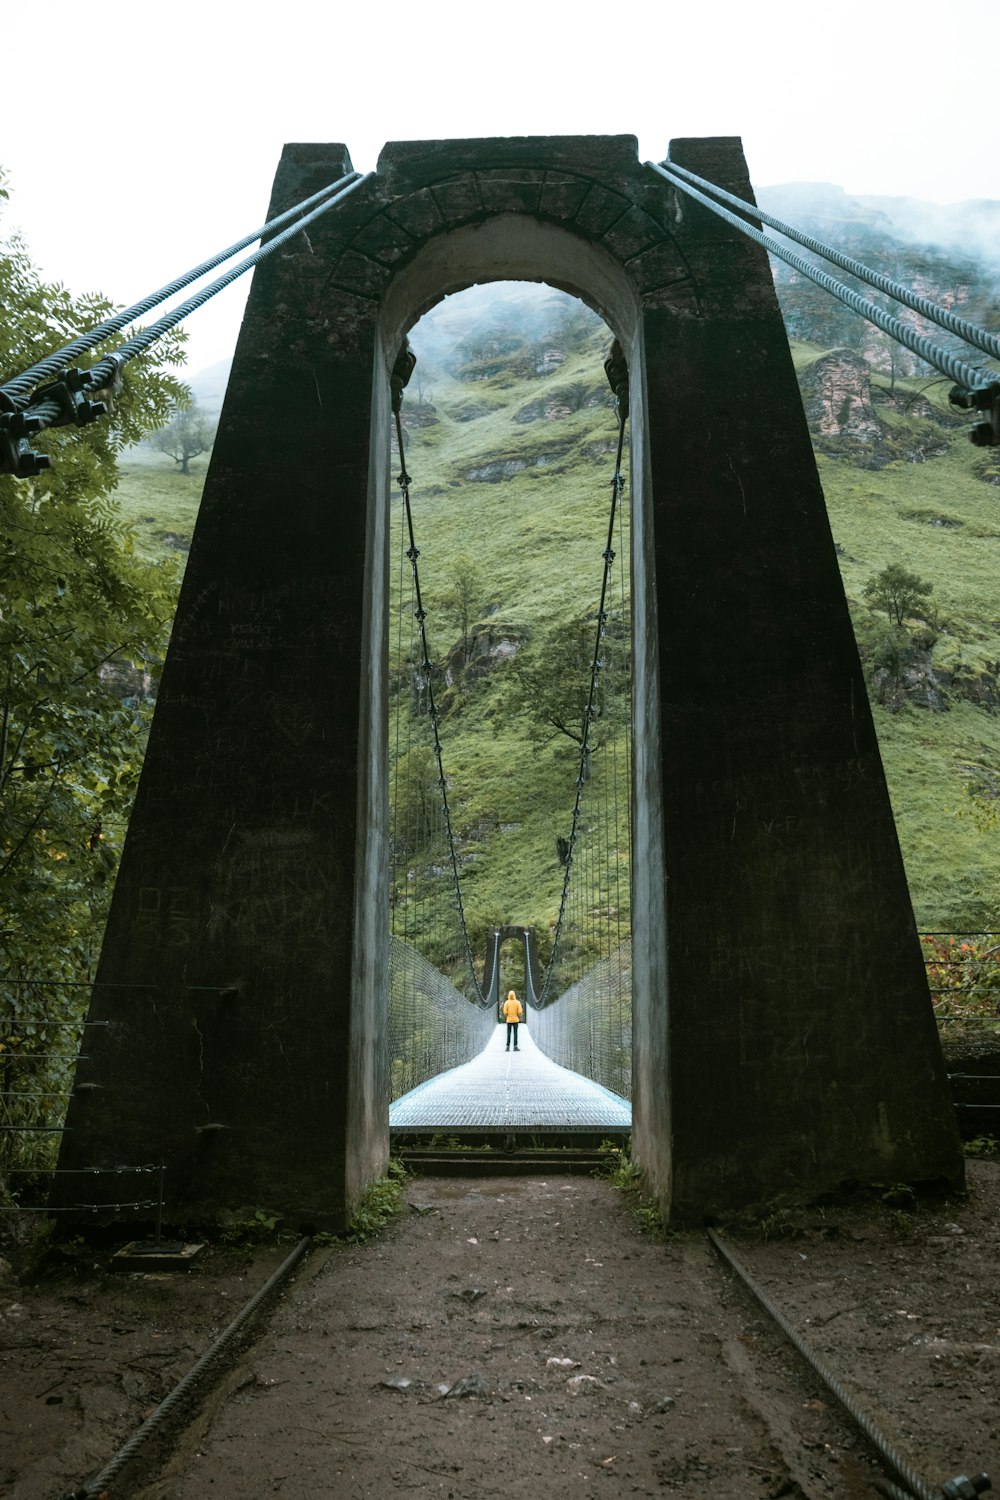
<point>783,1035</point>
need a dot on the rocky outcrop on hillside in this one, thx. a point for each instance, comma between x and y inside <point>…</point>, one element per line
<point>501,467</point>
<point>563,401</point>
<point>836,394</point>
<point>419,414</point>
<point>488,645</point>
<point>903,674</point>
<point>843,412</point>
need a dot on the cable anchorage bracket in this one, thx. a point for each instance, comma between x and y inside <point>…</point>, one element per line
<point>68,401</point>
<point>67,394</point>
<point>16,457</point>
<point>616,369</point>
<point>401,371</point>
<point>986,399</point>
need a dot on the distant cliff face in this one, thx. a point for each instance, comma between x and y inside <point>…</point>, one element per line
<point>951,256</point>
<point>846,414</point>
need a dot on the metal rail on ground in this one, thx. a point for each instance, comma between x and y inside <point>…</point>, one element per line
<point>101,1481</point>
<point>959,1488</point>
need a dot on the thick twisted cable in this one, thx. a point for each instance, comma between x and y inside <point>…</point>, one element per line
<point>970,333</point>
<point>128,1449</point>
<point>907,1474</point>
<point>53,365</point>
<point>956,369</point>
<point>886,1487</point>
<point>107,369</point>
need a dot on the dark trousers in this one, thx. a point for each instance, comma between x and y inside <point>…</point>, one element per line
<point>511,1027</point>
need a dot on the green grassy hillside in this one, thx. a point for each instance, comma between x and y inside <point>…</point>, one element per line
<point>509,427</point>
<point>508,432</point>
<point>940,735</point>
<point>158,500</point>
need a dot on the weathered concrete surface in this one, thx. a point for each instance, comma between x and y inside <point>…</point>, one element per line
<point>256,854</point>
<point>803,1046</point>
<point>782,1030</point>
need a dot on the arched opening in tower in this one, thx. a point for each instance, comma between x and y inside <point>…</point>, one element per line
<point>510,694</point>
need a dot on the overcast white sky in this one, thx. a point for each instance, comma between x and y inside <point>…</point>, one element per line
<point>139,136</point>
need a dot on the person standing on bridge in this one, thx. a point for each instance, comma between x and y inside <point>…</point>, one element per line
<point>512,1014</point>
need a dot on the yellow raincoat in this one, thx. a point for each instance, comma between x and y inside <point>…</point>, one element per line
<point>512,1010</point>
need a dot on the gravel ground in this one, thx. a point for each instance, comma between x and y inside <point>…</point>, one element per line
<point>511,1334</point>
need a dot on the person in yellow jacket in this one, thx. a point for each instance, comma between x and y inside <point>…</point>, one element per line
<point>512,1014</point>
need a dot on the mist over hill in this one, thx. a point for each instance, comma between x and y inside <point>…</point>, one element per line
<point>208,386</point>
<point>971,228</point>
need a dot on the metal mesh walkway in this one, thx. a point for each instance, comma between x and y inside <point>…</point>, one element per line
<point>522,1090</point>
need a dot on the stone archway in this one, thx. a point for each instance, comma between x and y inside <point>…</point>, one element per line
<point>783,1036</point>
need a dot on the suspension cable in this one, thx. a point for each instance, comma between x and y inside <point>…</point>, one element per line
<point>66,401</point>
<point>976,388</point>
<point>13,391</point>
<point>402,370</point>
<point>617,373</point>
<point>970,333</point>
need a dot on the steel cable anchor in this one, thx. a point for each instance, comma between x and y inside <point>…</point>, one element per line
<point>64,402</point>
<point>986,399</point>
<point>401,371</point>
<point>616,369</point>
<point>962,1488</point>
<point>16,457</point>
<point>72,406</point>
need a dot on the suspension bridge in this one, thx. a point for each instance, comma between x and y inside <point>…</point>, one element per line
<point>262,995</point>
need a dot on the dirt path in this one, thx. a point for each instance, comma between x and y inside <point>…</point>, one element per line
<point>581,1357</point>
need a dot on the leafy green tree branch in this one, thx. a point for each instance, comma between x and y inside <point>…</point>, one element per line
<point>76,597</point>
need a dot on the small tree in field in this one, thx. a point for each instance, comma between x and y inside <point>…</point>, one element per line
<point>189,433</point>
<point>898,591</point>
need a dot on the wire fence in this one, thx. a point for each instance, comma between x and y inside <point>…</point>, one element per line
<point>42,1036</point>
<point>44,1032</point>
<point>589,1028</point>
<point>432,1025</point>
<point>963,974</point>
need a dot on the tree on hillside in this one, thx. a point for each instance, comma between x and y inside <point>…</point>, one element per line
<point>463,595</point>
<point>421,386</point>
<point>549,685</point>
<point>75,595</point>
<point>898,592</point>
<point>189,433</point>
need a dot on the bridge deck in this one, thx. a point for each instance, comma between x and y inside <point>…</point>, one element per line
<point>523,1089</point>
